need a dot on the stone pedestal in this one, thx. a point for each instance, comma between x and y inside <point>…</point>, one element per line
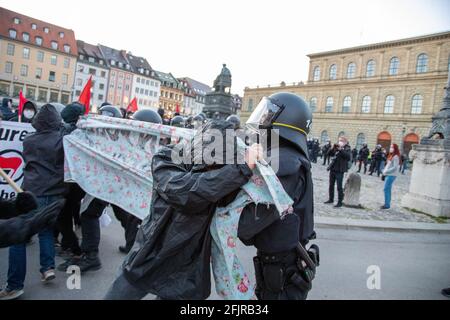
<point>352,191</point>
<point>429,191</point>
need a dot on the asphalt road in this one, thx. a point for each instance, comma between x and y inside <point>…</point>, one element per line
<point>411,265</point>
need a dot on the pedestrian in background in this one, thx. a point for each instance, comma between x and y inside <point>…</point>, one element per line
<point>390,174</point>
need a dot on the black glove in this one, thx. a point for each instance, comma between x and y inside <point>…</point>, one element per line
<point>25,202</point>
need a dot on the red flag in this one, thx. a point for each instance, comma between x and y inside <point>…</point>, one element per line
<point>177,109</point>
<point>85,96</point>
<point>132,107</point>
<point>22,102</point>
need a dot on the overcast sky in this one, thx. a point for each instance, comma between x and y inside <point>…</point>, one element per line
<point>262,42</point>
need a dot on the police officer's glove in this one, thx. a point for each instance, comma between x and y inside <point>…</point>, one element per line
<point>25,202</point>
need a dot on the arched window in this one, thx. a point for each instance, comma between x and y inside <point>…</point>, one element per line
<point>347,104</point>
<point>316,74</point>
<point>360,140</point>
<point>422,63</point>
<point>333,72</point>
<point>250,104</point>
<point>370,69</point>
<point>366,103</point>
<point>393,66</point>
<point>329,105</point>
<point>351,70</point>
<point>416,105</point>
<point>324,136</point>
<point>341,134</point>
<point>38,41</point>
<point>313,104</point>
<point>389,104</point>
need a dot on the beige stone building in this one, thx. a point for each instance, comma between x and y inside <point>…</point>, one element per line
<point>377,94</point>
<point>36,57</point>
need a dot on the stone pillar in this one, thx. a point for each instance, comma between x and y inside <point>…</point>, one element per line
<point>429,191</point>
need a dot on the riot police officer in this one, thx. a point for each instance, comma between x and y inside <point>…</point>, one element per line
<point>281,265</point>
<point>147,115</point>
<point>110,111</point>
<point>177,121</point>
<point>234,119</point>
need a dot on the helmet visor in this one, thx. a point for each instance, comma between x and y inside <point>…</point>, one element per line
<point>264,115</point>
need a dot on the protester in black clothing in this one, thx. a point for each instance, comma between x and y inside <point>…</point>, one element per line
<point>363,158</point>
<point>341,155</point>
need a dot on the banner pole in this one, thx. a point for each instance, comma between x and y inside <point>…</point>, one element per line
<point>10,181</point>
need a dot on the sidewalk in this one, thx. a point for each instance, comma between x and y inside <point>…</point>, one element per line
<point>396,226</point>
<point>372,197</point>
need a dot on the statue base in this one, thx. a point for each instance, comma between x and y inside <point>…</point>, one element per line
<point>429,190</point>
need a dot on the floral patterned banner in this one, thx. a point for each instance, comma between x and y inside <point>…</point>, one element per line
<point>110,159</point>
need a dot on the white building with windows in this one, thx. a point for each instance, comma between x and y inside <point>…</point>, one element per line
<point>194,97</point>
<point>146,87</point>
<point>91,62</point>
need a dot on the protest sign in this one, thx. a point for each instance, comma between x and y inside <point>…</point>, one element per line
<point>12,135</point>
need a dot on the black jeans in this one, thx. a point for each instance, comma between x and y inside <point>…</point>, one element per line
<point>129,222</point>
<point>65,218</point>
<point>338,178</point>
<point>90,226</point>
<point>326,160</point>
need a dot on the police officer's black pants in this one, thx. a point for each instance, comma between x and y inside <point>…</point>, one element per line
<point>90,226</point>
<point>326,160</point>
<point>275,278</point>
<point>336,178</point>
<point>361,162</point>
<point>130,224</point>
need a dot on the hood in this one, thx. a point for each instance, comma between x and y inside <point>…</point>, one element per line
<point>7,113</point>
<point>72,112</point>
<point>47,119</point>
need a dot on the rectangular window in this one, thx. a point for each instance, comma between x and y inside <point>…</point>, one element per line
<point>38,73</point>
<point>100,97</point>
<point>66,63</point>
<point>31,93</point>
<point>77,93</point>
<point>10,50</point>
<point>40,56</point>
<point>92,71</point>
<point>52,76</point>
<point>65,98</point>
<point>65,78</point>
<point>146,92</point>
<point>79,82</point>
<point>26,53</point>
<point>24,70</point>
<point>138,80</point>
<point>53,96</point>
<point>101,86</point>
<point>8,67</point>
<point>53,59</point>
<point>103,74</point>
<point>42,97</point>
<point>137,90</point>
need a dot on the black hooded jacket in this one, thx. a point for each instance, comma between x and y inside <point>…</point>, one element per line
<point>171,255</point>
<point>44,154</point>
<point>262,227</point>
<point>7,114</point>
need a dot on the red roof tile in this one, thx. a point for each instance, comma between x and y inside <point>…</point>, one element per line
<point>7,22</point>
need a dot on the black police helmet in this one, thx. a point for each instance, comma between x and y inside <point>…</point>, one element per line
<point>110,111</point>
<point>72,112</point>
<point>295,119</point>
<point>234,119</point>
<point>177,121</point>
<point>147,115</point>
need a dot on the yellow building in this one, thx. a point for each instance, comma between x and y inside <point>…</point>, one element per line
<point>377,94</point>
<point>36,57</point>
<point>172,94</point>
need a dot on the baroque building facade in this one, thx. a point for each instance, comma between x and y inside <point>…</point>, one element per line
<point>377,94</point>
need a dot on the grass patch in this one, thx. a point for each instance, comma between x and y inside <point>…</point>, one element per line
<point>437,219</point>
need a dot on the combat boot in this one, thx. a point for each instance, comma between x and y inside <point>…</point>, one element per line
<point>89,262</point>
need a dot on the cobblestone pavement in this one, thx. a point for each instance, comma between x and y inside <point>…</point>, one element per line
<point>372,198</point>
